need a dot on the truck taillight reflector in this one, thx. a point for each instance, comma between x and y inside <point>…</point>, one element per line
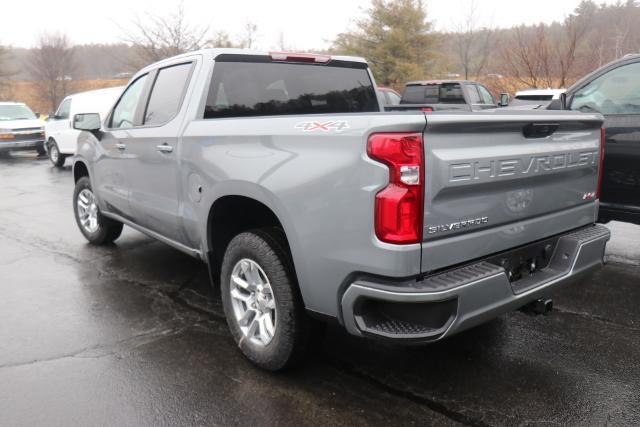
<point>399,206</point>
<point>602,140</point>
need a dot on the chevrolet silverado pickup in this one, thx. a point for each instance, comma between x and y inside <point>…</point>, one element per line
<point>447,95</point>
<point>307,201</point>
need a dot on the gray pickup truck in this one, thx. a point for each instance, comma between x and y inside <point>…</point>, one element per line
<point>307,201</point>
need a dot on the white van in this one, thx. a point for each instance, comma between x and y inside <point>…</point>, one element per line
<point>61,139</point>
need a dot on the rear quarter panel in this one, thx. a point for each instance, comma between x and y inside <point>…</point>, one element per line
<point>320,184</point>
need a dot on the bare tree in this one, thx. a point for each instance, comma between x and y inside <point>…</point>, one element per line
<point>52,64</point>
<point>565,49</point>
<point>220,39</point>
<point>6,86</point>
<point>250,34</point>
<point>472,44</point>
<point>157,37</point>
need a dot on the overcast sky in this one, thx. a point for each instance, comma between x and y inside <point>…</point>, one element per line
<point>304,24</point>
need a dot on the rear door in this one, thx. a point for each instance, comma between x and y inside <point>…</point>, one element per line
<point>153,153</point>
<point>616,94</point>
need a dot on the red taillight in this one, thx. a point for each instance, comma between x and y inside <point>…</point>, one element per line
<point>299,57</point>
<point>399,206</point>
<point>602,140</point>
<point>427,109</point>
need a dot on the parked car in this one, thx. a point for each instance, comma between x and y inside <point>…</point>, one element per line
<point>60,136</point>
<point>614,91</point>
<point>281,173</point>
<point>440,95</point>
<point>389,96</point>
<point>20,129</point>
<point>540,97</point>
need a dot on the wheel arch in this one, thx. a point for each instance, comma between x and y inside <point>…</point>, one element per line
<point>232,214</point>
<point>80,169</point>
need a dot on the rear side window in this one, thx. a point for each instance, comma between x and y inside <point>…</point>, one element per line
<point>167,94</point>
<point>265,88</point>
<point>445,93</point>
<point>473,94</point>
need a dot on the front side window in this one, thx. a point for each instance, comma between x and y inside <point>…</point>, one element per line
<point>125,111</point>
<point>486,96</point>
<point>64,109</point>
<point>265,88</point>
<point>167,94</point>
<point>616,92</point>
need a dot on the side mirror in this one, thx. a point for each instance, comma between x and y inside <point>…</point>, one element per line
<point>504,100</point>
<point>563,101</point>
<point>89,122</point>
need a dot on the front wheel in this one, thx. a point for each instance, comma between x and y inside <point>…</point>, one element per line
<point>96,228</point>
<point>56,158</point>
<point>261,300</point>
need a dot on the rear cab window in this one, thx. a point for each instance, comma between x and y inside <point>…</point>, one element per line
<point>443,93</point>
<point>254,85</point>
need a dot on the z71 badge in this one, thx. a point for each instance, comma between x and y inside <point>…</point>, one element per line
<point>323,126</point>
<point>459,225</point>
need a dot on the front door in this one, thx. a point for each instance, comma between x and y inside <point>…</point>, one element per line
<point>110,178</point>
<point>60,122</point>
<point>616,94</point>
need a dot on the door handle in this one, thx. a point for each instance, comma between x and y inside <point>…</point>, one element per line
<point>121,147</point>
<point>165,148</point>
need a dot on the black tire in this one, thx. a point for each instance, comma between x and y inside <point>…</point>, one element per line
<point>107,230</point>
<point>40,150</point>
<point>291,338</point>
<point>57,159</point>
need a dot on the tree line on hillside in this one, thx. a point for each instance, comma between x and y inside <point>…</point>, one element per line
<point>395,36</point>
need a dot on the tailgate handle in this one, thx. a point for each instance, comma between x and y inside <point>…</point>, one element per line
<point>539,130</point>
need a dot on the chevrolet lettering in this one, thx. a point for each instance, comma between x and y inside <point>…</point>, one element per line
<point>483,169</point>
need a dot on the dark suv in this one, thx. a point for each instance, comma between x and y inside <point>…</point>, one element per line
<point>614,91</point>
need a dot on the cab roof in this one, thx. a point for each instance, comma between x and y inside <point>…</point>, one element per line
<point>215,52</point>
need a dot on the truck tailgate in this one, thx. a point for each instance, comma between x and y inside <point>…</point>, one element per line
<point>497,180</point>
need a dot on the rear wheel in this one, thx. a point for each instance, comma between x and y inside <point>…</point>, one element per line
<point>261,301</point>
<point>95,227</point>
<point>56,158</point>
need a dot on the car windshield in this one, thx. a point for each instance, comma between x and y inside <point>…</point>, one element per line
<point>16,112</point>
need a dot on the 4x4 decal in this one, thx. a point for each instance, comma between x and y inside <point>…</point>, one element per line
<point>323,126</point>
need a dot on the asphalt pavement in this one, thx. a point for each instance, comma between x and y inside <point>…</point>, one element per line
<point>133,335</point>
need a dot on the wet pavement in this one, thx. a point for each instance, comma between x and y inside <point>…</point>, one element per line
<point>132,335</point>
